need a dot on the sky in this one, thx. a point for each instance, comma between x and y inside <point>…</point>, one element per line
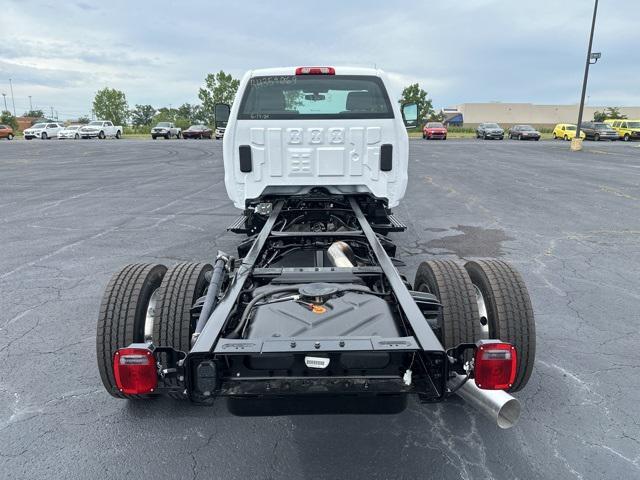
<point>159,52</point>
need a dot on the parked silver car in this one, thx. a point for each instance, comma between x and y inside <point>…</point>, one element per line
<point>70,131</point>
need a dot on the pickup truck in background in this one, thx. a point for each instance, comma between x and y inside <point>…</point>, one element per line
<point>100,129</point>
<point>166,130</point>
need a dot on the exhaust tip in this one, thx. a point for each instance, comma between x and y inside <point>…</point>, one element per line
<point>509,414</point>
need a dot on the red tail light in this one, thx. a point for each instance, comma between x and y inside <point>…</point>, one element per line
<point>495,365</point>
<point>315,71</point>
<point>135,371</point>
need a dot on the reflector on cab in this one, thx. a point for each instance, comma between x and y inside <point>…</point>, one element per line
<point>495,365</point>
<point>135,371</point>
<point>315,71</point>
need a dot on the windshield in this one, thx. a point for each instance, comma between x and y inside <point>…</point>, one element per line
<point>164,124</point>
<point>314,97</point>
<point>527,128</point>
<point>434,125</point>
<point>196,127</point>
<point>633,124</point>
<point>491,125</point>
<point>96,123</point>
<point>39,125</point>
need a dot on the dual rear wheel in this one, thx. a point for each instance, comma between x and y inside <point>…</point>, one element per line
<point>146,302</point>
<point>482,300</point>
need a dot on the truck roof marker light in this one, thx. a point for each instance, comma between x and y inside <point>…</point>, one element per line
<point>495,365</point>
<point>315,71</point>
<point>135,371</point>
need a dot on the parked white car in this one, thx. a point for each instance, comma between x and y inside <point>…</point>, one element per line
<point>100,129</point>
<point>70,132</point>
<point>43,131</point>
<point>166,130</point>
<point>220,132</point>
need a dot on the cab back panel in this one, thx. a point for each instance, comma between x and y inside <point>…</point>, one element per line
<point>289,155</point>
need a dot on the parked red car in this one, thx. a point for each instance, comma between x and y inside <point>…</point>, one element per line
<point>434,130</point>
<point>197,131</point>
<point>6,132</point>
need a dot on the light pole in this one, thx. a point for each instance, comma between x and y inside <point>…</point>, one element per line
<point>13,101</point>
<point>576,143</point>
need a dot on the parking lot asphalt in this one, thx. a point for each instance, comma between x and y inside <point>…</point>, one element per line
<point>71,213</point>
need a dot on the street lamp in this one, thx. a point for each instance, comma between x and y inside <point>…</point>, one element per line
<point>576,143</point>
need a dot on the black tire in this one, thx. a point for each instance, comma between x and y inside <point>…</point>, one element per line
<point>44,136</point>
<point>173,326</point>
<point>555,137</point>
<point>76,137</point>
<point>509,311</point>
<point>10,136</point>
<point>484,136</point>
<point>167,136</point>
<point>122,316</point>
<point>101,135</point>
<point>627,137</point>
<point>566,138</point>
<point>118,135</point>
<point>459,321</point>
<point>153,136</point>
<point>596,137</point>
<point>179,136</point>
<point>519,137</point>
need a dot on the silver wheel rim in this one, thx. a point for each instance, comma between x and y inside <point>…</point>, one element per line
<point>150,316</point>
<point>483,316</point>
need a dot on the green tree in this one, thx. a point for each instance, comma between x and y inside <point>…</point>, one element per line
<point>164,114</point>
<point>414,94</point>
<point>436,117</point>
<point>614,113</point>
<point>142,115</point>
<point>83,120</point>
<point>218,88</point>
<point>609,113</point>
<point>111,104</point>
<point>34,114</point>
<point>7,119</point>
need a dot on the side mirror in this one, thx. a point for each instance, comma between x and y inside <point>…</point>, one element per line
<point>221,113</point>
<point>410,115</point>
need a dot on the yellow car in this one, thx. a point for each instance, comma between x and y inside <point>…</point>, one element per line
<point>566,131</point>
<point>627,129</point>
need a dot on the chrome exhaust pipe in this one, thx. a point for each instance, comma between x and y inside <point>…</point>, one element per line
<point>340,254</point>
<point>497,405</point>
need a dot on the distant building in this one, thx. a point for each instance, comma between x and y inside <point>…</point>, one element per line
<point>508,114</point>
<point>452,117</point>
<point>25,122</point>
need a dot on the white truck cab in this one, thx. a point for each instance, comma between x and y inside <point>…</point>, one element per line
<point>295,128</point>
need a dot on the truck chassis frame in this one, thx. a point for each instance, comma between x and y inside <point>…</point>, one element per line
<point>216,366</point>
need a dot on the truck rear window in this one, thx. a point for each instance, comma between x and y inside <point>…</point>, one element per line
<point>288,97</point>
